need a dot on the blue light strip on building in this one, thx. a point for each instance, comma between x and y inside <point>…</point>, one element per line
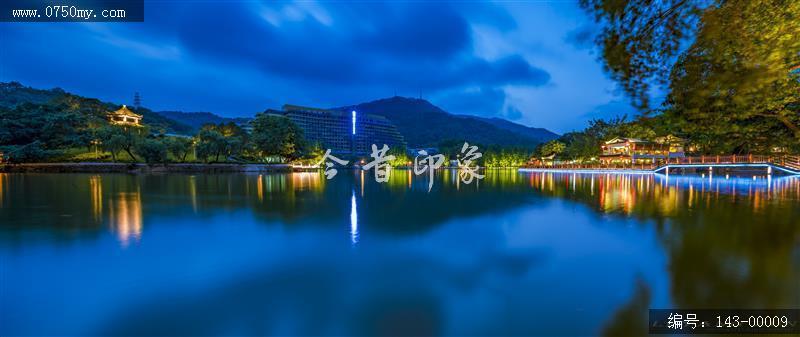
<point>354,122</point>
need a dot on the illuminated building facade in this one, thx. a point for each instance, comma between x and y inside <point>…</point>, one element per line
<point>344,132</point>
<point>632,150</point>
<point>125,117</point>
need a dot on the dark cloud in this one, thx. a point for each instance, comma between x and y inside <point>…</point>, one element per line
<point>228,57</point>
<point>582,37</point>
<point>432,31</point>
<point>478,101</point>
<point>512,113</point>
<point>407,46</point>
<point>493,16</point>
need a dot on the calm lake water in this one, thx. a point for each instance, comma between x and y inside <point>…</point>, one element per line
<point>295,254</point>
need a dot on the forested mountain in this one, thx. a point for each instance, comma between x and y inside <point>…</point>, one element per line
<point>14,95</point>
<point>196,120</point>
<point>424,124</point>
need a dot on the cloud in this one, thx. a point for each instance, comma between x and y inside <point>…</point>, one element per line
<point>473,101</point>
<point>512,113</point>
<point>409,46</point>
<point>617,107</point>
<point>582,37</point>
<point>505,59</point>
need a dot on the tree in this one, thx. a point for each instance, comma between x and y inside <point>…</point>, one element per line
<point>117,138</point>
<point>400,156</point>
<point>553,147</point>
<point>114,144</point>
<point>580,145</point>
<point>179,147</point>
<point>731,85</point>
<point>210,143</point>
<point>277,136</point>
<point>640,39</point>
<point>152,151</point>
<point>28,153</point>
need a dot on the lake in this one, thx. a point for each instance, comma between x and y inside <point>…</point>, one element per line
<point>295,254</point>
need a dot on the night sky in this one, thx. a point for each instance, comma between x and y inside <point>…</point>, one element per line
<point>529,62</point>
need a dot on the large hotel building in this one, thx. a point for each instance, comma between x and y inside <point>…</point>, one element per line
<point>344,132</point>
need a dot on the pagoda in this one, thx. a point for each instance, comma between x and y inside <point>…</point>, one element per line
<point>125,117</point>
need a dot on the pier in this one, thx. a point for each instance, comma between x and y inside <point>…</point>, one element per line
<point>786,164</point>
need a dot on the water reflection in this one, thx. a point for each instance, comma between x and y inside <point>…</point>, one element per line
<point>96,189</point>
<point>274,256</point>
<point>353,220</point>
<point>2,187</point>
<point>723,235</point>
<point>125,216</point>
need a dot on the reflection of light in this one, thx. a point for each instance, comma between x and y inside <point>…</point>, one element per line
<point>260,188</point>
<point>302,181</point>
<point>353,219</point>
<point>2,189</point>
<point>354,122</point>
<point>193,192</point>
<point>96,190</point>
<point>126,217</point>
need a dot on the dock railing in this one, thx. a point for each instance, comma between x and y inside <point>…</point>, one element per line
<point>790,161</point>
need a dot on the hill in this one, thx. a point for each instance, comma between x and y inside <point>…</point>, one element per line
<point>541,134</point>
<point>14,93</point>
<point>424,124</point>
<point>197,119</point>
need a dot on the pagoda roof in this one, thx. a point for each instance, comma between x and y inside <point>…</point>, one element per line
<point>625,140</point>
<point>124,111</point>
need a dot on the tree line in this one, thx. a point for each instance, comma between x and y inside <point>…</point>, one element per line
<point>76,128</point>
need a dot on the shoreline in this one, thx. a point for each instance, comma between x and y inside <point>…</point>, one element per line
<point>140,168</point>
<point>137,168</point>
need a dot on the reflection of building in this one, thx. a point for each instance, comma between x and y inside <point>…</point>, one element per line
<point>96,189</point>
<point>342,132</point>
<point>125,116</point>
<point>632,150</point>
<point>126,216</point>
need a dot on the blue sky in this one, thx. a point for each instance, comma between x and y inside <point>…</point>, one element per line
<point>531,62</point>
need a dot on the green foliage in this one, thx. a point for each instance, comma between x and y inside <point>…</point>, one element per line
<point>581,146</point>
<point>401,158</point>
<point>732,90</point>
<point>93,111</point>
<point>52,126</point>
<point>639,39</point>
<point>152,151</point>
<point>211,143</point>
<point>28,153</point>
<point>502,157</point>
<point>312,155</point>
<point>179,147</point>
<point>117,138</point>
<point>277,136</point>
<point>114,144</point>
<point>553,147</point>
<point>584,145</point>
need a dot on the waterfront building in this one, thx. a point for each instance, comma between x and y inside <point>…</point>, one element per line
<point>415,152</point>
<point>343,132</point>
<point>125,117</point>
<point>623,150</point>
